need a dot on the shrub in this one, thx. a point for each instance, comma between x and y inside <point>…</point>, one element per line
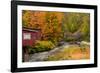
<point>32,50</point>
<point>70,39</point>
<point>28,48</point>
<point>43,46</point>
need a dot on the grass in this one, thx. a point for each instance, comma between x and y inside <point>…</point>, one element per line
<point>73,52</point>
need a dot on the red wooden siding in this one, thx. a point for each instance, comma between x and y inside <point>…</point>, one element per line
<point>35,35</point>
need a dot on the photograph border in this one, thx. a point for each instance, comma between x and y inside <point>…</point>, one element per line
<point>14,38</point>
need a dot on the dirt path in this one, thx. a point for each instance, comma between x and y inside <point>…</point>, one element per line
<point>44,55</point>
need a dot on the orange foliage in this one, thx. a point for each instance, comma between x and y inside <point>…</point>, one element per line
<point>39,20</point>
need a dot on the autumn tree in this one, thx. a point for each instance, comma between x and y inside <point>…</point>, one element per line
<point>50,23</point>
<point>33,19</point>
<point>54,26</point>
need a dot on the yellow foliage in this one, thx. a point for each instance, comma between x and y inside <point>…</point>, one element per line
<point>71,53</point>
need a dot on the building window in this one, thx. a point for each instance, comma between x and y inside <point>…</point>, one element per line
<point>27,36</point>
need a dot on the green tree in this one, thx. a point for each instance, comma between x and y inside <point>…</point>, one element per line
<point>76,24</point>
<point>85,27</point>
<point>72,22</point>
